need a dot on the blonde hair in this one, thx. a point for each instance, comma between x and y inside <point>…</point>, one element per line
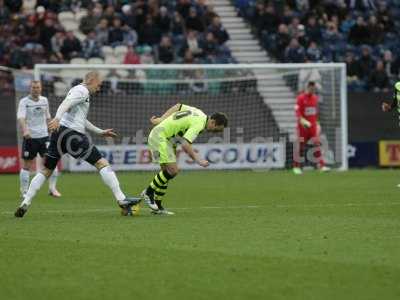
<point>91,75</point>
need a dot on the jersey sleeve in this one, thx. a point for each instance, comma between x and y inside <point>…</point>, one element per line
<point>185,107</point>
<point>74,97</point>
<point>299,106</point>
<point>396,95</point>
<point>21,114</point>
<point>193,131</point>
<point>48,116</point>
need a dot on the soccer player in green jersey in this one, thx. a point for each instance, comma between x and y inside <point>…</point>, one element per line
<point>396,100</point>
<point>179,124</point>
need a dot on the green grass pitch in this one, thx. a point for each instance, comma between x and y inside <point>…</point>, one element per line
<point>235,235</point>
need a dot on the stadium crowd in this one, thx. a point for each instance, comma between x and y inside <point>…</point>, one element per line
<point>154,31</point>
<point>362,33</point>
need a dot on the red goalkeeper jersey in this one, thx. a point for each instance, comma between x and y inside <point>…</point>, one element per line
<point>307,107</point>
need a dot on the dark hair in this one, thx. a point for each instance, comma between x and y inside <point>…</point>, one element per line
<point>220,119</point>
<point>311,83</point>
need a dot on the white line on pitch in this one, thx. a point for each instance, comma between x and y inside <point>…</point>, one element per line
<point>322,205</point>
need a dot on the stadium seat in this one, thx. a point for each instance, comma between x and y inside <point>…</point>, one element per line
<point>107,50</point>
<point>66,16</point>
<point>120,50</point>
<point>29,6</point>
<point>95,61</point>
<point>78,61</point>
<point>80,14</point>
<point>60,88</point>
<point>79,35</point>
<point>70,25</point>
<point>111,59</point>
<point>122,73</point>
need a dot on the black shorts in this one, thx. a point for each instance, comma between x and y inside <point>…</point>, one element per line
<point>31,147</point>
<point>76,144</point>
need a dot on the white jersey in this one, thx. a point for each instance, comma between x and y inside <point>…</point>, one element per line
<point>35,114</point>
<point>75,117</point>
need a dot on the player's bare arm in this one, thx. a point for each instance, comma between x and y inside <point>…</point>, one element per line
<point>386,106</point>
<point>24,128</point>
<point>187,147</point>
<point>157,120</point>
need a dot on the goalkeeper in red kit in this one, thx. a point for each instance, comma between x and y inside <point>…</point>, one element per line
<point>308,129</point>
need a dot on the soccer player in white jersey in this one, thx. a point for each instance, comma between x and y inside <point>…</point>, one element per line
<point>69,136</point>
<point>33,115</point>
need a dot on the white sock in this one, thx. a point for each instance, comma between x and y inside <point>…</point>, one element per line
<point>34,187</point>
<point>53,180</point>
<point>111,180</point>
<point>24,180</point>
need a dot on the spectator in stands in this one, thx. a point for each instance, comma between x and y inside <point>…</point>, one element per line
<point>301,35</point>
<point>21,58</point>
<point>294,27</point>
<point>375,30</point>
<point>149,34</point>
<point>192,42</point>
<point>109,14</point>
<point>359,32</point>
<point>31,31</point>
<point>313,52</point>
<point>102,32</point>
<point>258,17</point>
<point>353,67</point>
<point>4,13</point>
<point>219,31</point>
<point>209,15</point>
<point>366,62</point>
<point>131,57</point>
<point>71,47</point>
<point>90,46</point>
<point>210,47</point>
<point>183,8</point>
<point>294,53</point>
<point>271,19</point>
<point>47,30</point>
<point>139,14</point>
<point>385,17</point>
<point>391,65</point>
<point>313,30</point>
<point>147,57</point>
<point>379,80</point>
<point>194,21</point>
<point>166,53</point>
<point>89,22</point>
<point>177,27</point>
<point>130,36</point>
<point>127,17</point>
<point>164,21</point>
<point>347,24</point>
<point>56,43</point>
<point>288,14</point>
<point>188,57</point>
<point>282,40</point>
<point>116,33</point>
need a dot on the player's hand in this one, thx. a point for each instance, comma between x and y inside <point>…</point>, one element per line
<point>386,107</point>
<point>305,123</point>
<point>204,163</point>
<point>109,133</point>
<point>54,125</point>
<point>155,120</point>
<point>26,134</point>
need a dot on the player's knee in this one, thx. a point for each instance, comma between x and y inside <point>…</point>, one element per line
<point>46,172</point>
<point>28,165</point>
<point>172,170</point>
<point>101,163</point>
